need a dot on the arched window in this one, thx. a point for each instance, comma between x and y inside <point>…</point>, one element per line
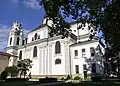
<point>10,40</point>
<point>17,41</point>
<point>57,47</point>
<point>36,36</point>
<point>35,52</point>
<point>20,55</point>
<point>57,61</point>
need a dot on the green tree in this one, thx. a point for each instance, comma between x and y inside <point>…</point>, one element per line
<point>12,71</point>
<point>3,75</point>
<point>102,14</point>
<point>24,66</point>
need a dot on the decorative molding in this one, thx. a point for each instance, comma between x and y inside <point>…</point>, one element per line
<point>56,55</point>
<point>84,42</point>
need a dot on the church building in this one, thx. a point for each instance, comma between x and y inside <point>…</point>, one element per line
<point>53,56</point>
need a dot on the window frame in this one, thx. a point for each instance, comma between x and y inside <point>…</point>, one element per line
<point>57,61</point>
<point>83,53</point>
<point>36,36</point>
<point>77,69</point>
<point>76,52</point>
<point>35,51</point>
<point>20,55</point>
<point>92,51</point>
<point>57,47</point>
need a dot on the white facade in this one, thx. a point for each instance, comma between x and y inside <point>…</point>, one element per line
<point>50,60</point>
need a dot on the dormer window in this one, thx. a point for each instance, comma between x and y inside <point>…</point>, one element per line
<point>36,36</point>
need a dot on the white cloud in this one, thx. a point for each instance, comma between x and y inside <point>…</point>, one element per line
<point>34,4</point>
<point>4,33</point>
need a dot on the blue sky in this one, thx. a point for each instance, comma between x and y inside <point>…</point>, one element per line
<point>28,12</point>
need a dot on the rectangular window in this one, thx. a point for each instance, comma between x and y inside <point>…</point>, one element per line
<point>92,51</point>
<point>77,69</point>
<point>84,67</point>
<point>83,53</point>
<point>76,52</point>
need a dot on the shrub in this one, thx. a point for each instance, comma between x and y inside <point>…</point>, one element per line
<point>77,78</point>
<point>16,80</point>
<point>4,75</point>
<point>12,71</point>
<point>47,80</point>
<point>68,77</point>
<point>96,77</point>
<point>62,78</point>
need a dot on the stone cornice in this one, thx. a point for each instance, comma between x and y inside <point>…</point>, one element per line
<point>83,36</point>
<point>39,41</point>
<point>12,47</point>
<point>83,43</point>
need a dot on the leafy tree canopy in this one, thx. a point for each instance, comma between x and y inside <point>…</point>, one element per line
<point>102,14</point>
<point>24,66</point>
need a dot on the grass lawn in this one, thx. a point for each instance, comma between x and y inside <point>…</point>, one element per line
<point>13,84</point>
<point>68,84</point>
<point>96,84</point>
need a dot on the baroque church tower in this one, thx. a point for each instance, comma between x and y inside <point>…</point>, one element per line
<point>16,35</point>
<point>14,40</point>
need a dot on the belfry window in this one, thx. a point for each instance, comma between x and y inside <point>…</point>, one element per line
<point>57,61</point>
<point>35,52</point>
<point>10,40</point>
<point>57,47</point>
<point>17,41</point>
<point>20,55</point>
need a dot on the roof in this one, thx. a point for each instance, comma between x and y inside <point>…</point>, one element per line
<point>43,25</point>
<point>40,26</point>
<point>5,54</point>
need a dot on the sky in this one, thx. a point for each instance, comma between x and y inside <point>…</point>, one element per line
<point>28,12</point>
